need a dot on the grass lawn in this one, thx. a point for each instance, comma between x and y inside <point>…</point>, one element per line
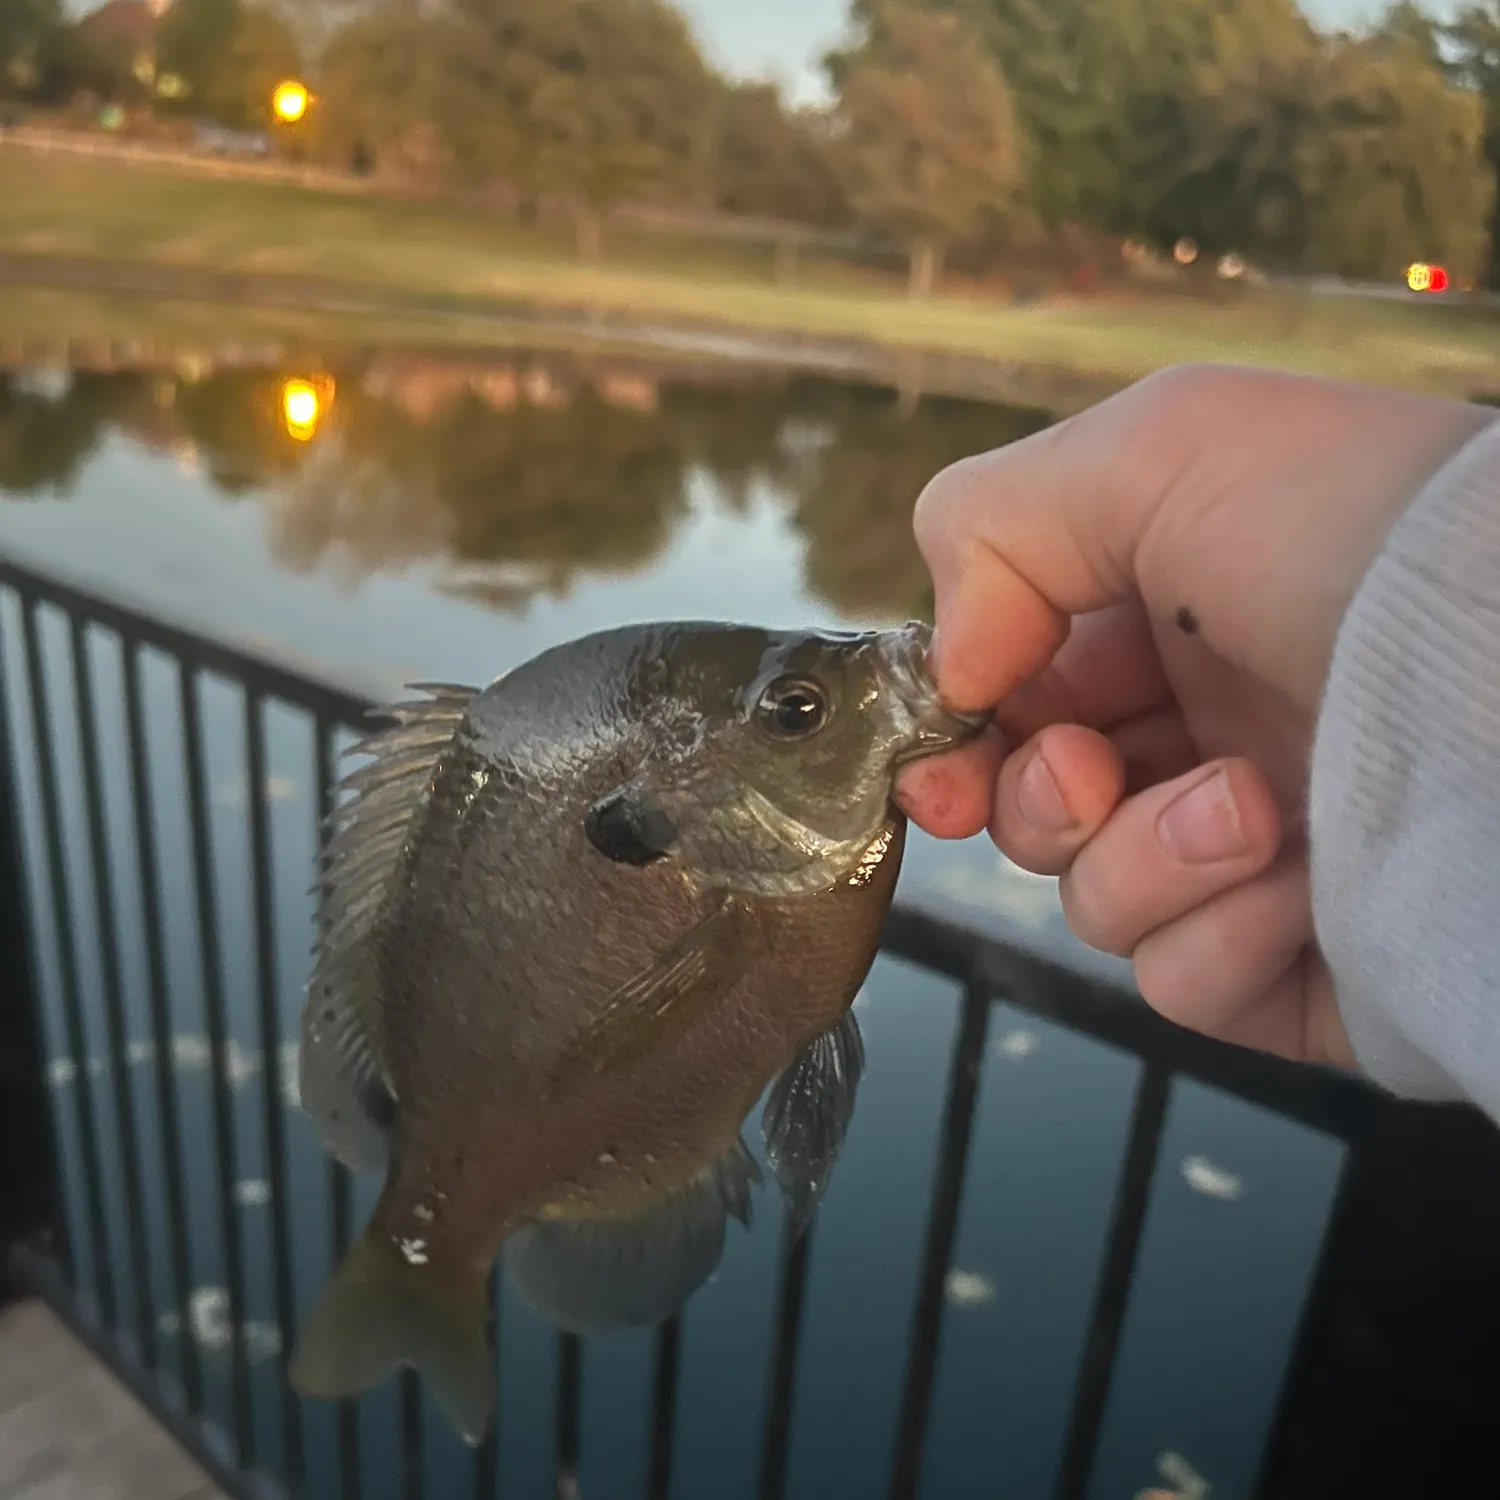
<point>73,206</point>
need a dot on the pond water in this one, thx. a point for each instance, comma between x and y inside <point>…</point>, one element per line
<point>383,517</point>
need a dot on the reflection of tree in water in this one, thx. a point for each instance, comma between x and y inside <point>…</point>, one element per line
<point>229,423</point>
<point>45,442</point>
<point>235,423</point>
<point>858,487</point>
<point>538,491</point>
<point>516,478</point>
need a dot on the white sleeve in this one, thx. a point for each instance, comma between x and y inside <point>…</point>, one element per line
<point>1404,813</point>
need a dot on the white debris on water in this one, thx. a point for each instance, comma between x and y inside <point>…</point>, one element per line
<point>212,1328</point>
<point>233,794</point>
<point>191,1053</point>
<point>968,1289</point>
<point>252,1192</point>
<point>1186,1482</point>
<point>1212,1181</point>
<point>414,1251</point>
<point>1017,1045</point>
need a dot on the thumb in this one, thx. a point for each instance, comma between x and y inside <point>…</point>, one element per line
<point>1020,539</point>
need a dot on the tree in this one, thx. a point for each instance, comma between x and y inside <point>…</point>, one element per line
<point>927,143</point>
<point>29,31</point>
<point>1350,154</point>
<point>1474,38</point>
<point>230,55</point>
<point>587,101</point>
<point>381,86</point>
<point>769,163</point>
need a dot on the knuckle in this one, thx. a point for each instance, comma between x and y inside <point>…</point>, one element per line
<point>1163,982</point>
<point>1093,908</point>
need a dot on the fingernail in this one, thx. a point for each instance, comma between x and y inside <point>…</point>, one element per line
<point>1039,799</point>
<point>1202,826</point>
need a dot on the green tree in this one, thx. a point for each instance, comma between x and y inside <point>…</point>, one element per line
<point>1474,40</point>
<point>231,55</point>
<point>927,143</point>
<point>381,85</point>
<point>1349,154</point>
<point>589,102</point>
<point>29,34</point>
<point>769,163</point>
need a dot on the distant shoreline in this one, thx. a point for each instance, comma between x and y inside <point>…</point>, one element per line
<point>915,371</point>
<point>110,230</point>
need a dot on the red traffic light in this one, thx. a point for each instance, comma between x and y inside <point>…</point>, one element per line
<point>1438,281</point>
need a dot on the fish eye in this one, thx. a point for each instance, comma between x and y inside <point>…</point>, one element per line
<point>793,708</point>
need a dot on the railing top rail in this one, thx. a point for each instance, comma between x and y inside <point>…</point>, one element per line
<point>1329,1100</point>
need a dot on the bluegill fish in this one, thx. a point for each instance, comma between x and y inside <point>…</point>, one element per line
<point>573,926</point>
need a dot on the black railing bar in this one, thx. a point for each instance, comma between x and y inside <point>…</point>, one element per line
<point>1320,1312</point>
<point>569,1399</point>
<point>226,1149</point>
<point>340,1182</point>
<point>272,1091</point>
<point>29,1147</point>
<point>411,1435</point>
<point>663,1410</point>
<point>487,1457</point>
<point>791,1296</point>
<point>1338,1103</point>
<point>108,923</point>
<point>148,874</point>
<point>1101,1343</point>
<point>295,683</point>
<point>67,957</point>
<point>203,1440</point>
<point>964,1073</point>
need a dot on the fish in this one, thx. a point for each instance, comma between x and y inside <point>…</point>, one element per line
<point>572,927</point>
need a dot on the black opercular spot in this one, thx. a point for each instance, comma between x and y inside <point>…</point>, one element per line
<point>629,831</point>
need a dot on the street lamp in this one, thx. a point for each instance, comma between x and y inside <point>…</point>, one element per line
<point>289,102</point>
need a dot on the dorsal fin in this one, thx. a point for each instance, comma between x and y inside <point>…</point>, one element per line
<point>343,1083</point>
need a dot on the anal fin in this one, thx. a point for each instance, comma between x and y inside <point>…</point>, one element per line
<point>602,1274</point>
<point>807,1115</point>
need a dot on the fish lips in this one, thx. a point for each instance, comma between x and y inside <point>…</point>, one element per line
<point>934,726</point>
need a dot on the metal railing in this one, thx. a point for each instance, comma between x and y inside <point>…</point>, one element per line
<point>109,779</point>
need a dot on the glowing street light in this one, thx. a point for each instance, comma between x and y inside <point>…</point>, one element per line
<point>302,407</point>
<point>290,101</point>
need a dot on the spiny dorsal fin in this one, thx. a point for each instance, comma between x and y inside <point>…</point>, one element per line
<point>343,1085</point>
<point>595,1275</point>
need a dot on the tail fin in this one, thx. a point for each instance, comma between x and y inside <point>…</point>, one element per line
<point>380,1313</point>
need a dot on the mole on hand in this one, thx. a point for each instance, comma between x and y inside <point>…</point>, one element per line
<point>1187,621</point>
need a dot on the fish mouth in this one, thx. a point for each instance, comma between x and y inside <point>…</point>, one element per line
<point>933,726</point>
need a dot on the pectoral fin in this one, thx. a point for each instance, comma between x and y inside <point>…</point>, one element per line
<point>807,1115</point>
<point>668,993</point>
<point>596,1275</point>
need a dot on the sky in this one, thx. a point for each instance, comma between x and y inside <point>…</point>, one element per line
<point>785,37</point>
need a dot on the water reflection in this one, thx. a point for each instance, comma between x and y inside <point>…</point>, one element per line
<point>521,474</point>
<point>545,496</point>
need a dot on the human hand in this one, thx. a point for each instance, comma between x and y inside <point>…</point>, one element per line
<point>1151,591</point>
